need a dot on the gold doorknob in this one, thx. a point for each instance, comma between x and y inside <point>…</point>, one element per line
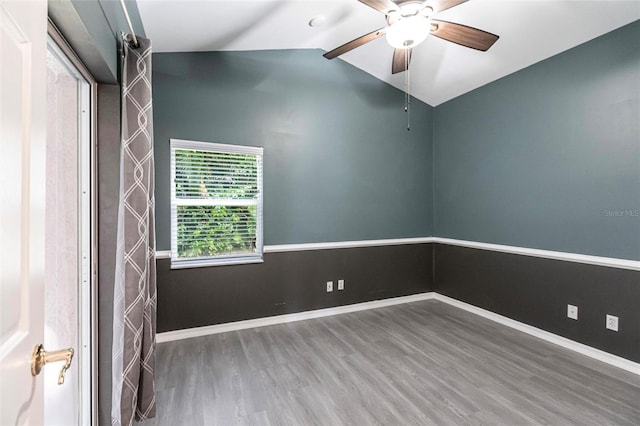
<point>41,357</point>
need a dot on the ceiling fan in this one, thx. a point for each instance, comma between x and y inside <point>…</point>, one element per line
<point>409,22</point>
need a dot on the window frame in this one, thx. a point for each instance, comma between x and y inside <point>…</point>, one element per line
<point>219,260</point>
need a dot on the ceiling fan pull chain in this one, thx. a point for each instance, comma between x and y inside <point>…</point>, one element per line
<point>407,107</point>
<point>406,85</point>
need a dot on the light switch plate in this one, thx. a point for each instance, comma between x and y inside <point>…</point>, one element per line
<point>572,312</point>
<point>612,322</point>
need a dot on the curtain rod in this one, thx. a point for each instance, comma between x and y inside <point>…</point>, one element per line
<point>126,15</point>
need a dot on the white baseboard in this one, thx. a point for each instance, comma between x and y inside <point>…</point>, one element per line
<point>580,348</point>
<point>168,336</point>
<point>583,349</point>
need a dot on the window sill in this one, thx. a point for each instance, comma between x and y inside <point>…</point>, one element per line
<point>186,264</point>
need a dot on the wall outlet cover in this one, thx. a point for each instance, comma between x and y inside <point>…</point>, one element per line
<point>612,322</point>
<point>572,312</point>
<point>329,286</point>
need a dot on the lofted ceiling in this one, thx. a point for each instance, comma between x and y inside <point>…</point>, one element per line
<point>529,30</point>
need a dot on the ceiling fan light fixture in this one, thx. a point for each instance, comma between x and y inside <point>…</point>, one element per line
<point>408,32</point>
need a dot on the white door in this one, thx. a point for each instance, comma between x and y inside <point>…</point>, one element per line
<point>23,53</point>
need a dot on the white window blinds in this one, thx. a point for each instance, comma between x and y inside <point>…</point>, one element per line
<point>216,204</point>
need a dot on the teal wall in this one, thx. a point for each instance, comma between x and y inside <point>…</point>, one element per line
<point>339,163</point>
<point>548,157</point>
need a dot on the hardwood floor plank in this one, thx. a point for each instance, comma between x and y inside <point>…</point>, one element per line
<point>422,363</point>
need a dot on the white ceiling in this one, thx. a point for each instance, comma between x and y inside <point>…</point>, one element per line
<point>529,30</point>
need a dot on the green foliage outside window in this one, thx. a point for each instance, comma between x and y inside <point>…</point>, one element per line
<point>229,226</point>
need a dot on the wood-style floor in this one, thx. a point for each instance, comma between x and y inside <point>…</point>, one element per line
<point>419,363</point>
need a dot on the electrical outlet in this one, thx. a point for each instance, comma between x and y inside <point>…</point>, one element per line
<point>572,312</point>
<point>340,284</point>
<point>329,286</point>
<point>612,322</point>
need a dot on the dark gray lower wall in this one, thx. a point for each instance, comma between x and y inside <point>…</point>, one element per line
<point>108,188</point>
<point>536,291</point>
<point>289,282</point>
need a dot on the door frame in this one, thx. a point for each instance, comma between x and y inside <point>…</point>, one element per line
<point>88,296</point>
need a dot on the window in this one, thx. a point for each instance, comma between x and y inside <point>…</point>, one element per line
<point>216,204</point>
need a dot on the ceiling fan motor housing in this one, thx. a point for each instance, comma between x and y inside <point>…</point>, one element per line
<point>409,25</point>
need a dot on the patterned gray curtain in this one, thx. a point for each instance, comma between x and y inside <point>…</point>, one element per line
<point>134,319</point>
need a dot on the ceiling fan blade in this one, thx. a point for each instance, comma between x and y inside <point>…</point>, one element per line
<point>355,43</point>
<point>401,60</point>
<point>463,35</point>
<point>440,5</point>
<point>383,6</point>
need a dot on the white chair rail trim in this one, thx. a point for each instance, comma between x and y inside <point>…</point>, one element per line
<point>525,251</point>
